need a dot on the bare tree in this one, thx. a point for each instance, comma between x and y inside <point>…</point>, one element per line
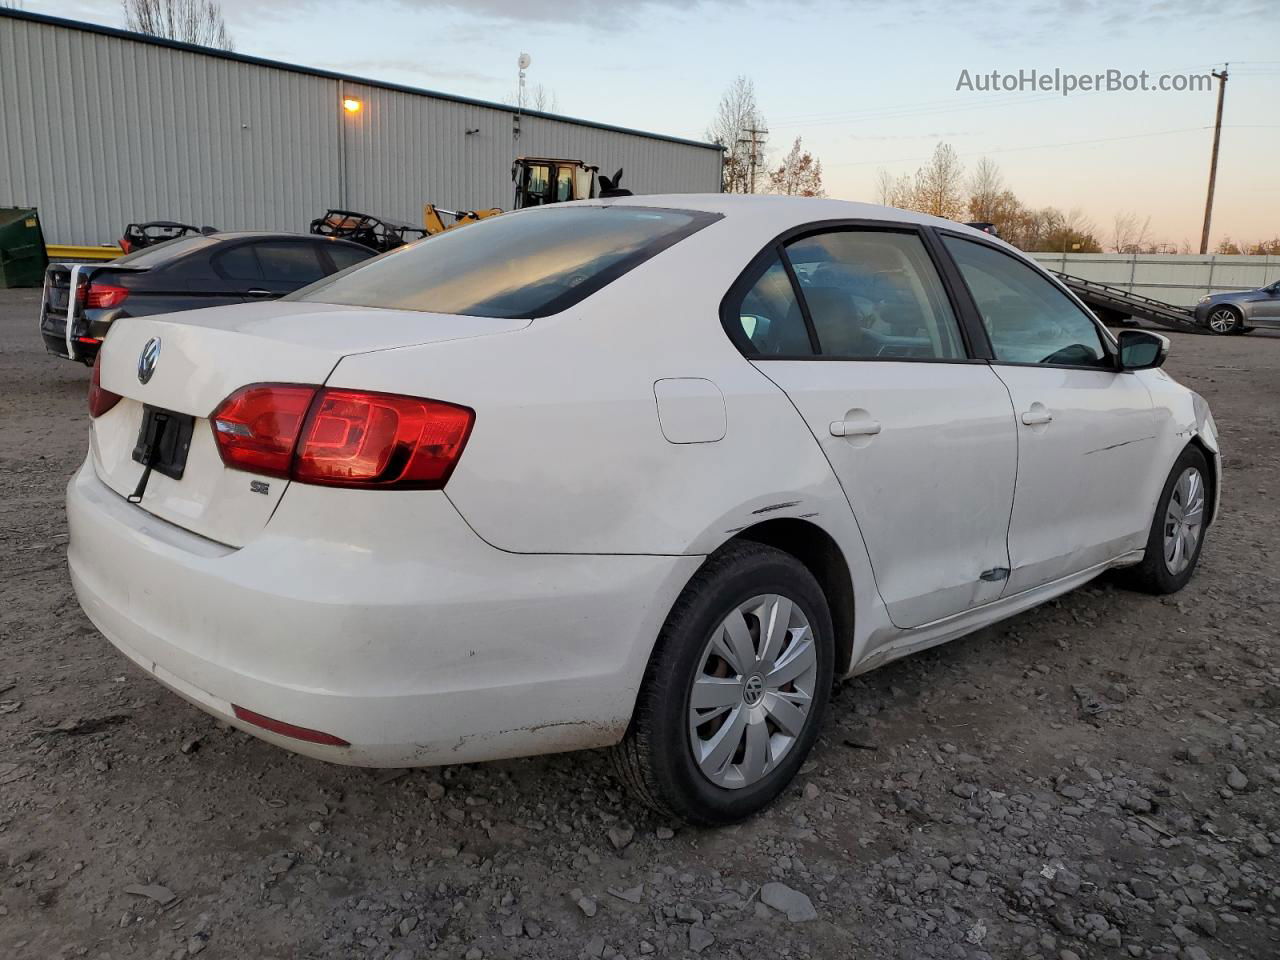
<point>737,114</point>
<point>939,186</point>
<point>1128,235</point>
<point>540,98</point>
<point>536,97</point>
<point>190,21</point>
<point>799,174</point>
<point>891,192</point>
<point>986,184</point>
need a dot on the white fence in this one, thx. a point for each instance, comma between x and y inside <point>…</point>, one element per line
<point>1180,279</point>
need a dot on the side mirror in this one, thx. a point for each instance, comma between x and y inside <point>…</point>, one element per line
<point>1142,349</point>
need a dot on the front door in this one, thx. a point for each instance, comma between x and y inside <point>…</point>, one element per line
<point>1266,307</point>
<point>921,437</point>
<point>1086,431</point>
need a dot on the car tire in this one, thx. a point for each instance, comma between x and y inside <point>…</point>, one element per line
<point>1224,320</point>
<point>1157,573</point>
<point>657,760</point>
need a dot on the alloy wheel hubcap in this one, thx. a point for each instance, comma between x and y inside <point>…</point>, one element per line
<point>1184,521</point>
<point>752,692</point>
<point>1221,321</point>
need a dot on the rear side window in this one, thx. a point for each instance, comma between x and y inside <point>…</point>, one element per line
<point>238,263</point>
<point>527,265</point>
<point>1028,319</point>
<point>161,253</point>
<point>875,295</point>
<point>769,313</point>
<point>868,295</point>
<point>290,262</point>
<point>344,256</point>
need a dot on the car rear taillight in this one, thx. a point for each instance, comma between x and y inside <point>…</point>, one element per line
<point>257,426</point>
<point>356,439</point>
<point>343,438</point>
<point>100,401</point>
<point>125,245</point>
<point>102,295</point>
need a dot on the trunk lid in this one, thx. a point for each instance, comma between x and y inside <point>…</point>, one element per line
<point>204,356</point>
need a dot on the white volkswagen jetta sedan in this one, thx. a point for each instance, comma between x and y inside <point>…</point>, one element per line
<point>648,472</point>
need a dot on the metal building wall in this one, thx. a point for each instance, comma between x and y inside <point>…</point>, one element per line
<point>98,130</point>
<point>1180,279</point>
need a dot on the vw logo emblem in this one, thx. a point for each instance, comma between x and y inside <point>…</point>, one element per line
<point>147,359</point>
<point>753,690</point>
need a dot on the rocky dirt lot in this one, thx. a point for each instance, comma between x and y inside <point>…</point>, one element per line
<point>1096,778</point>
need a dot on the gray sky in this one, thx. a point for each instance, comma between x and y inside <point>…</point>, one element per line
<point>867,85</point>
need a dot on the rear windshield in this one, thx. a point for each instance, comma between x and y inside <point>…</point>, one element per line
<point>525,265</point>
<point>164,252</point>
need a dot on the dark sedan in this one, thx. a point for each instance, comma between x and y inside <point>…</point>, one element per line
<point>183,274</point>
<point>1241,310</point>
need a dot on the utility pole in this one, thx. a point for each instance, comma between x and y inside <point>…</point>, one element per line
<point>522,64</point>
<point>1213,160</point>
<point>756,141</point>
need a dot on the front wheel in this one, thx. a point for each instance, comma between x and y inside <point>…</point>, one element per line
<point>735,691</point>
<point>1224,320</point>
<point>1178,528</point>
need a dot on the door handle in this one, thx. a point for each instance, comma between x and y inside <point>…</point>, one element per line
<point>854,428</point>
<point>1036,416</point>
<point>259,292</point>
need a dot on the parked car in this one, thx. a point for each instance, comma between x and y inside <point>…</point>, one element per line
<point>181,274</point>
<point>649,472</point>
<point>1241,310</point>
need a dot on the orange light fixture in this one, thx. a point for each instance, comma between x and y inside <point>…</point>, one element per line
<point>352,105</point>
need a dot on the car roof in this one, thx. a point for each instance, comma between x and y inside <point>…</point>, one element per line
<point>223,235</point>
<point>772,212</point>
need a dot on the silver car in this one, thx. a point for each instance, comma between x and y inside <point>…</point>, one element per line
<point>1241,310</point>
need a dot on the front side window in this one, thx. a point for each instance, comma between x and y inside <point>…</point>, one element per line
<point>1027,318</point>
<point>519,265</point>
<point>537,184</point>
<point>768,313</point>
<point>564,184</point>
<point>875,295</point>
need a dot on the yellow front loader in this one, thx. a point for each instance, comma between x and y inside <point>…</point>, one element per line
<point>539,181</point>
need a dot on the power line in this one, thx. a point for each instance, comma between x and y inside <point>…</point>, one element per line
<point>1034,146</point>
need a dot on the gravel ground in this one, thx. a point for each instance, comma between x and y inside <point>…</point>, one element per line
<point>1096,778</point>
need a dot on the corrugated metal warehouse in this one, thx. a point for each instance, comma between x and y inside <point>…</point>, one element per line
<point>100,127</point>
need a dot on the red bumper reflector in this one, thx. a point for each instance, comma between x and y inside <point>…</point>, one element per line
<point>88,339</point>
<point>288,729</point>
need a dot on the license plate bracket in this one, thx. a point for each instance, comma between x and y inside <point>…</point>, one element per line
<point>164,439</point>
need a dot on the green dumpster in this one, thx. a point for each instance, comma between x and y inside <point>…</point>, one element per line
<point>22,254</point>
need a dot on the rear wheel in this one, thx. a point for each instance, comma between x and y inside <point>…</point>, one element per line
<point>735,691</point>
<point>1178,528</point>
<point>1223,320</point>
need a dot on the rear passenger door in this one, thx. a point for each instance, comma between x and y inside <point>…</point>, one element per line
<point>239,269</point>
<point>1085,428</point>
<point>857,327</point>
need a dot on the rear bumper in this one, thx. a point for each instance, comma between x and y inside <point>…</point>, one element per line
<point>87,332</point>
<point>378,618</point>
